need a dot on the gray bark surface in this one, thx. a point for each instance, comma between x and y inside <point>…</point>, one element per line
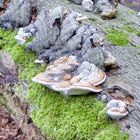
<point>127,76</point>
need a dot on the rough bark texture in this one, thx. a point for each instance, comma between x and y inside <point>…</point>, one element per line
<point>19,112</point>
<point>9,128</point>
<point>11,103</point>
<point>127,76</point>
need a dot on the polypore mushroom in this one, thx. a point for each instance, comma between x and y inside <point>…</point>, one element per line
<point>109,13</point>
<point>116,109</point>
<point>107,8</point>
<point>81,18</point>
<point>87,5</point>
<point>22,36</point>
<point>109,60</point>
<point>69,77</point>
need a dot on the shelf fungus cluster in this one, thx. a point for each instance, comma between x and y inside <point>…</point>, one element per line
<point>75,48</point>
<point>106,8</point>
<point>81,39</point>
<point>70,77</point>
<point>15,13</point>
<point>65,37</point>
<point>79,58</point>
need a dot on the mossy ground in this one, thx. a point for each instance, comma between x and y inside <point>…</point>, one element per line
<point>59,118</point>
<point>116,37</point>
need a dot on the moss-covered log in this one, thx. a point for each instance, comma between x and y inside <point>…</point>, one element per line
<point>49,110</point>
<point>122,40</point>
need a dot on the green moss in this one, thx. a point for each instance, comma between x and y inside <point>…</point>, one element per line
<point>105,135</point>
<point>117,37</point>
<point>75,118</point>
<point>25,61</point>
<point>131,12</point>
<point>93,20</point>
<point>131,30</point>
<point>138,33</point>
<point>137,47</point>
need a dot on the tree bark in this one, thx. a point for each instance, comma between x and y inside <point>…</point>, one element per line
<point>45,43</point>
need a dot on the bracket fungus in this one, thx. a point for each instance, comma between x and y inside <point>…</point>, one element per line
<point>81,39</point>
<point>81,46</point>
<point>76,52</point>
<point>58,33</point>
<point>15,13</point>
<point>106,8</point>
<point>87,5</point>
<point>116,109</point>
<point>22,36</point>
<point>70,77</point>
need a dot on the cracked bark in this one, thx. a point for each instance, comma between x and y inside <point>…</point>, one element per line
<point>13,104</point>
<point>127,77</point>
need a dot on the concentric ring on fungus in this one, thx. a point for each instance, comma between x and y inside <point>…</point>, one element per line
<point>86,80</point>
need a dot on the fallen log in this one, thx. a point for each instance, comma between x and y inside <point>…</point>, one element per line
<point>127,76</point>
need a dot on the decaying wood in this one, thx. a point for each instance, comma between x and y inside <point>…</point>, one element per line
<point>126,77</point>
<point>9,128</point>
<point>14,105</point>
<point>19,112</point>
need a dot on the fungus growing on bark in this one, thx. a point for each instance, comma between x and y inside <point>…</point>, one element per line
<point>71,77</point>
<point>87,5</point>
<point>117,109</point>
